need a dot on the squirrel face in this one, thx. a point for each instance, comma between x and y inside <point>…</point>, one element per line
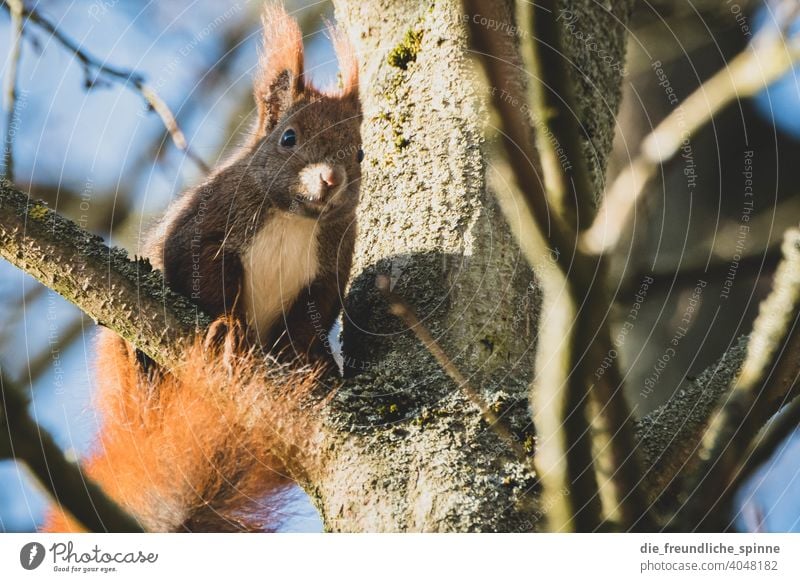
<point>307,150</point>
<point>308,164</point>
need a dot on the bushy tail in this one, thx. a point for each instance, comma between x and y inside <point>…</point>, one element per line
<point>212,447</point>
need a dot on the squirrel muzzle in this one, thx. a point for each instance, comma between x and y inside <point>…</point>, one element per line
<point>322,184</point>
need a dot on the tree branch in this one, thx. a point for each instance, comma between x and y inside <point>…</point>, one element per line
<point>15,10</point>
<point>554,103</point>
<point>766,59</point>
<point>590,339</point>
<point>566,173</point>
<point>401,309</point>
<point>672,435</point>
<point>23,439</point>
<point>766,381</point>
<point>127,296</point>
<point>503,69</point>
<point>130,79</point>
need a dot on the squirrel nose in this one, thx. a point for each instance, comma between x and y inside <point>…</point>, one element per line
<point>321,181</point>
<point>329,177</point>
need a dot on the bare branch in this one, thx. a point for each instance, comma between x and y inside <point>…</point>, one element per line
<point>128,78</point>
<point>15,9</point>
<point>669,436</point>
<point>554,103</point>
<point>569,185</point>
<point>768,377</point>
<point>127,296</point>
<point>590,339</point>
<point>766,59</point>
<point>24,440</point>
<point>503,70</point>
<point>401,309</point>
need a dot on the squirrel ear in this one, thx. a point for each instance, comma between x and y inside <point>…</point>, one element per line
<point>346,56</point>
<point>280,68</point>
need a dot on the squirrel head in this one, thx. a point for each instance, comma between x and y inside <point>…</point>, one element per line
<point>306,152</point>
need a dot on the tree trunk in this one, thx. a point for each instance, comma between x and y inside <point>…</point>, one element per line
<point>402,448</point>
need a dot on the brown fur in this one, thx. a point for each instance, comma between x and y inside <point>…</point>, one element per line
<point>207,448</point>
<point>201,240</point>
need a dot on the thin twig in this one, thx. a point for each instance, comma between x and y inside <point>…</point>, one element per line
<point>15,9</point>
<point>22,439</point>
<point>402,310</point>
<point>126,77</point>
<point>767,378</point>
<point>765,60</point>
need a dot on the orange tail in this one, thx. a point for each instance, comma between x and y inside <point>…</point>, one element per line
<point>204,449</point>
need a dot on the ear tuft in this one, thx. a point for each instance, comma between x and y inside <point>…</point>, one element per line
<point>346,55</point>
<point>280,68</point>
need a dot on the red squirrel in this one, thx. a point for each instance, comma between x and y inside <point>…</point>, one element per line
<point>265,243</point>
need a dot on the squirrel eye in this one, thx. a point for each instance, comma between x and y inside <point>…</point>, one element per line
<point>360,155</point>
<point>289,138</point>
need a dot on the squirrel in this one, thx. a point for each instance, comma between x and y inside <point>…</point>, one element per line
<point>265,245</point>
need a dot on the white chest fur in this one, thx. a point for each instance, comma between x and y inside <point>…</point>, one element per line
<point>281,261</point>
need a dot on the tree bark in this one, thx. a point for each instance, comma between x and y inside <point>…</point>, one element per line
<point>417,455</point>
<point>127,296</point>
<point>405,450</point>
